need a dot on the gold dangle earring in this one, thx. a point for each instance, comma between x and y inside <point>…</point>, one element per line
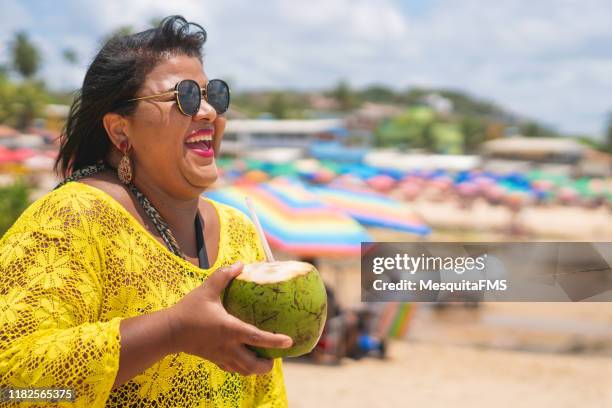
<point>124,171</point>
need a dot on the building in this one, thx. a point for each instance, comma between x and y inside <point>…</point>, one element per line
<point>554,155</point>
<point>243,135</point>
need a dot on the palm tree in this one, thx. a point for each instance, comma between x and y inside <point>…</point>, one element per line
<point>26,57</point>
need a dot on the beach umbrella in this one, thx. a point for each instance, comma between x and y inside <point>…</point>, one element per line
<point>323,176</point>
<point>382,182</point>
<point>394,320</point>
<point>567,195</point>
<point>371,209</point>
<point>516,199</point>
<point>15,156</point>
<point>282,169</point>
<point>467,189</point>
<point>349,180</point>
<point>255,176</point>
<point>19,155</point>
<point>440,183</point>
<point>295,221</point>
<point>410,190</point>
<point>6,155</point>
<point>494,193</point>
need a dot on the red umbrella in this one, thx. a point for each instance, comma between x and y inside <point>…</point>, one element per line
<point>20,155</point>
<point>6,155</point>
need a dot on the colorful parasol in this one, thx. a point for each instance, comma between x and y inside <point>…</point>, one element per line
<point>295,221</point>
<point>371,209</point>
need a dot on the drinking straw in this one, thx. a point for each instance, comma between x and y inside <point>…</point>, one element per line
<point>260,232</point>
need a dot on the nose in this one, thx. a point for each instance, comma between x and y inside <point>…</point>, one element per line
<point>206,112</point>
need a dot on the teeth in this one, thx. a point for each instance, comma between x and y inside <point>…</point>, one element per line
<point>195,139</point>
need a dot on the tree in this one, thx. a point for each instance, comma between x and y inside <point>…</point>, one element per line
<point>474,132</point>
<point>22,102</point>
<point>609,133</point>
<point>13,201</point>
<point>28,103</point>
<point>278,105</point>
<point>26,57</point>
<point>378,93</point>
<point>70,56</point>
<point>344,95</point>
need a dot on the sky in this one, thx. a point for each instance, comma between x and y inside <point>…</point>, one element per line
<point>550,60</point>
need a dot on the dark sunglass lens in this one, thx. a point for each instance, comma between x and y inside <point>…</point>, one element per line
<point>218,95</point>
<point>189,96</point>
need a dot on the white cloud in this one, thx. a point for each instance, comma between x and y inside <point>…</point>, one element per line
<point>547,59</point>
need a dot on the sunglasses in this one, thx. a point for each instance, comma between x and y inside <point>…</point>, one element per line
<point>188,95</point>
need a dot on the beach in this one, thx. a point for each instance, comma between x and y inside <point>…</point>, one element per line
<point>429,375</point>
<point>496,355</point>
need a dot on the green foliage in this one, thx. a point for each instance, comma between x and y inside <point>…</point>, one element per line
<point>474,130</point>
<point>446,138</point>
<point>13,201</point>
<point>344,95</point>
<point>26,57</point>
<point>534,129</point>
<point>608,140</point>
<point>464,104</point>
<point>282,104</point>
<point>278,106</point>
<point>377,93</point>
<point>21,103</point>
<point>590,142</point>
<point>70,56</point>
<point>411,129</point>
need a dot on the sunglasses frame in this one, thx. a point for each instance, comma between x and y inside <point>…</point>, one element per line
<point>203,93</point>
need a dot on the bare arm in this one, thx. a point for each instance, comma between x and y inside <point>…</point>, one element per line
<point>198,325</point>
<point>145,340</point>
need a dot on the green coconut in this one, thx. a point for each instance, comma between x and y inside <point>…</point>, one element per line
<point>280,297</point>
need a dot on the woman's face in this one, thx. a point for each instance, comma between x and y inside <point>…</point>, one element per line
<point>162,138</point>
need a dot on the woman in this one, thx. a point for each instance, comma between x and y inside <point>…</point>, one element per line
<point>107,282</point>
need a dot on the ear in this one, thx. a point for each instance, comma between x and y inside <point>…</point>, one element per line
<point>116,128</point>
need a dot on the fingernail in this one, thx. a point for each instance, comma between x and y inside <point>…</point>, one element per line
<point>288,342</point>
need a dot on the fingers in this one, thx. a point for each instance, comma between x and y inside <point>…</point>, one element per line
<point>253,336</point>
<point>222,277</point>
<point>248,363</point>
<point>245,362</point>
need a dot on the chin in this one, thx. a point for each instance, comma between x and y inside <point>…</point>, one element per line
<point>204,179</point>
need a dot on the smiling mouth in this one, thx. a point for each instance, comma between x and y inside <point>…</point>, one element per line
<point>200,138</point>
<point>201,143</point>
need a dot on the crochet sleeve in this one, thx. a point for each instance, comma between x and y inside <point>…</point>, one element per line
<point>50,298</point>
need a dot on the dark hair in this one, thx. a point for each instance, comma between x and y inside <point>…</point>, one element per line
<point>116,74</point>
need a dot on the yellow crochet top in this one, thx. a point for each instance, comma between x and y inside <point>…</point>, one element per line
<point>71,267</point>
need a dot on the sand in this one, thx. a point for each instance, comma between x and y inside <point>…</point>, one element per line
<point>550,222</point>
<point>426,375</point>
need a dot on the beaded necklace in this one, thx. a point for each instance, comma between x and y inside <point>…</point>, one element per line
<point>160,224</point>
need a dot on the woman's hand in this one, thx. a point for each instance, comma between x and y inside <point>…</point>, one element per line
<point>200,325</point>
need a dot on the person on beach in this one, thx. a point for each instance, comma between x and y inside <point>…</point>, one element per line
<point>111,284</point>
